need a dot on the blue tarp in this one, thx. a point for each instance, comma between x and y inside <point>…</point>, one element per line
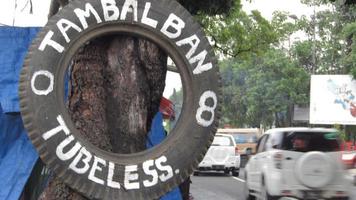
<point>17,155</point>
<point>156,136</point>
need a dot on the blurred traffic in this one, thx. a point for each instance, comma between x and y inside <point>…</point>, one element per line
<point>283,163</point>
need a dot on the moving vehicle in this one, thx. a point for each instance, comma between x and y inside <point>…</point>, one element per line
<point>245,138</point>
<point>221,156</point>
<point>349,160</point>
<point>303,163</point>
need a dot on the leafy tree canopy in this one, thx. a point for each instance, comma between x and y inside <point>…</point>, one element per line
<point>262,90</point>
<point>208,7</point>
<point>238,34</point>
<point>349,32</point>
<point>329,48</point>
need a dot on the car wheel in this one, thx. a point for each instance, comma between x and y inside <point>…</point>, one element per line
<point>247,193</point>
<point>227,172</point>
<point>196,173</point>
<point>235,172</point>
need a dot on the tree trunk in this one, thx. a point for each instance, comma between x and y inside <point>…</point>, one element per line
<point>116,87</point>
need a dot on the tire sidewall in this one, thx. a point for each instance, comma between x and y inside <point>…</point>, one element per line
<point>181,151</point>
<point>327,166</point>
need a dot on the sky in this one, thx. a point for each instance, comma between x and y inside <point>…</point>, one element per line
<point>21,17</point>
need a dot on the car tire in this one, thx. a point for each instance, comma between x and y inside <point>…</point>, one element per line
<point>49,125</point>
<point>236,172</point>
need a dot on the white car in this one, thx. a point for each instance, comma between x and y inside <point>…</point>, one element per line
<point>349,159</point>
<point>221,156</point>
<point>303,163</point>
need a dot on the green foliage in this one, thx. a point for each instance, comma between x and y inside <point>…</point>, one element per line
<point>283,26</point>
<point>341,131</point>
<point>262,76</point>
<point>315,2</point>
<point>330,36</point>
<point>302,52</point>
<point>349,32</point>
<point>261,83</point>
<point>208,7</point>
<point>345,2</point>
<point>238,34</point>
<point>262,90</point>
<point>234,108</point>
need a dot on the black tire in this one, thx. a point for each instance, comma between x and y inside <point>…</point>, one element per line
<point>235,173</point>
<point>196,173</point>
<point>43,109</point>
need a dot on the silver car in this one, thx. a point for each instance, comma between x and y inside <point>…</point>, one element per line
<point>221,156</point>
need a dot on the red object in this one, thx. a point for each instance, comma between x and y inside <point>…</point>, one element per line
<point>166,107</point>
<point>348,146</point>
<point>236,150</point>
<point>349,159</point>
<point>353,110</point>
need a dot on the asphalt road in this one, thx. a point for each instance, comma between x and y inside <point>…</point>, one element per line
<point>214,186</point>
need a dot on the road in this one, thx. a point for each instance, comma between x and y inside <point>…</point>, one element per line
<point>213,186</point>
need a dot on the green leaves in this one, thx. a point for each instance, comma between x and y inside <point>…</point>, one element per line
<point>349,60</point>
<point>262,90</point>
<point>208,7</point>
<point>238,34</point>
<point>265,72</point>
<point>330,36</point>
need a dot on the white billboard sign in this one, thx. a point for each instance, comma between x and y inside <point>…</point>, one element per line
<point>332,99</point>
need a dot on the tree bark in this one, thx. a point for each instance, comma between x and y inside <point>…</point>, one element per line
<point>116,87</point>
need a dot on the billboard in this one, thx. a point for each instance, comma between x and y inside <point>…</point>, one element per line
<point>332,99</point>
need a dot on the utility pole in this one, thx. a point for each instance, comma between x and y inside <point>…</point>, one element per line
<point>314,40</point>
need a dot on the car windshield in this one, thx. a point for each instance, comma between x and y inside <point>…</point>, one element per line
<point>222,141</point>
<point>311,141</point>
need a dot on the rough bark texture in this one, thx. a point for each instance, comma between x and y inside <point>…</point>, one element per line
<point>117,84</point>
<point>87,98</point>
<point>135,82</point>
